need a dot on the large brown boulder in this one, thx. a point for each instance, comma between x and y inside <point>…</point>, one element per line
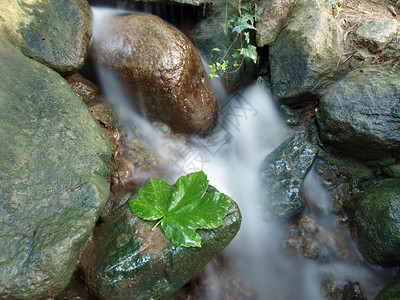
<point>162,69</point>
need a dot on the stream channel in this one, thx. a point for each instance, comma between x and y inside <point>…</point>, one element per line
<point>250,126</point>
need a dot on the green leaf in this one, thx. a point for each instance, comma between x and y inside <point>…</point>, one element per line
<point>242,24</point>
<point>183,210</point>
<point>216,49</point>
<point>257,12</point>
<point>250,52</point>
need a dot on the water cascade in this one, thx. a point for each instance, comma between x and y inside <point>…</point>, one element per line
<point>249,127</point>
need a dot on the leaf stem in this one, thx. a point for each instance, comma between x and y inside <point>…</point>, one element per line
<point>158,223</point>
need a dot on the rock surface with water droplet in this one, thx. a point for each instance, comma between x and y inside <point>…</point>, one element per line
<point>55,33</point>
<point>282,175</point>
<point>125,259</point>
<point>161,69</point>
<point>53,172</point>
<point>360,115</point>
<point>375,222</point>
<point>304,56</point>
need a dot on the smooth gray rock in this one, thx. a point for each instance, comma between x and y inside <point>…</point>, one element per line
<point>53,172</point>
<point>360,115</point>
<point>377,33</point>
<point>304,57</point>
<point>282,175</point>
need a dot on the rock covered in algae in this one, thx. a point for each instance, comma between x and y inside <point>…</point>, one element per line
<point>55,33</point>
<point>161,68</point>
<point>53,170</point>
<point>125,259</point>
<point>375,225</point>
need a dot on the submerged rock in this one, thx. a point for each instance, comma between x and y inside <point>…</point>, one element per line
<point>360,114</point>
<point>310,239</point>
<point>125,259</point>
<point>55,33</point>
<point>282,175</point>
<point>161,68</point>
<point>375,222</point>
<point>53,170</point>
<point>305,55</point>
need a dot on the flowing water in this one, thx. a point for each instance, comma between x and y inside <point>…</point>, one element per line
<point>250,126</point>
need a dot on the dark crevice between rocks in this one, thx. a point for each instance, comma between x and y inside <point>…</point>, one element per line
<point>182,16</point>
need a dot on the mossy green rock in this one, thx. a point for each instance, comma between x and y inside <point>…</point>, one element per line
<point>359,115</point>
<point>53,167</point>
<point>304,57</point>
<point>55,33</point>
<point>391,292</point>
<point>282,175</point>
<point>375,222</point>
<point>125,259</point>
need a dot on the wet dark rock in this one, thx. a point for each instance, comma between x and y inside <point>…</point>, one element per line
<point>125,259</point>
<point>353,291</point>
<point>274,18</point>
<point>359,115</point>
<point>55,33</point>
<point>208,35</point>
<point>161,68</point>
<point>76,290</point>
<point>304,57</point>
<point>53,177</point>
<point>375,225</point>
<point>331,289</point>
<point>292,116</point>
<point>344,177</point>
<point>282,175</point>
<point>377,33</point>
<point>391,292</point>
<point>85,89</point>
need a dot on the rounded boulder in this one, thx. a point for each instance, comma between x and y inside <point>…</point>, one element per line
<point>161,69</point>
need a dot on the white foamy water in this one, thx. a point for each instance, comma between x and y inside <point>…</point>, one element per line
<point>250,126</point>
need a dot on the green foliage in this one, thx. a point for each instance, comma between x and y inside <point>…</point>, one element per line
<point>240,24</point>
<point>183,209</point>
